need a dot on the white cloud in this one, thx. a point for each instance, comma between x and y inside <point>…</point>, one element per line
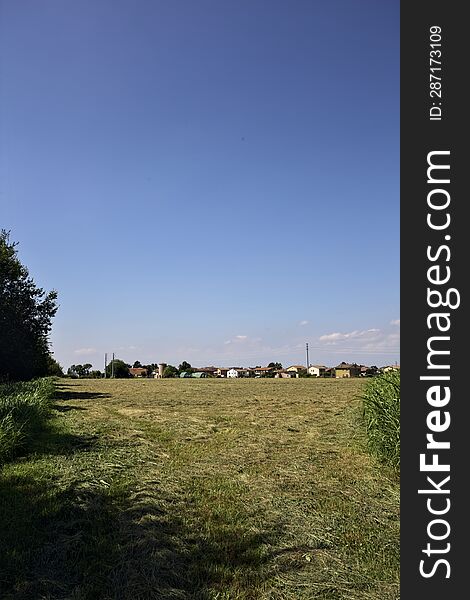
<point>304,323</point>
<point>373,341</point>
<point>237,339</point>
<point>85,351</point>
<point>386,341</point>
<point>332,338</point>
<point>395,322</point>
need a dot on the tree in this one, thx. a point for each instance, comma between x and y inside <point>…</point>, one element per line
<point>80,370</point>
<point>120,369</point>
<point>72,371</point>
<point>26,313</point>
<point>170,371</point>
<point>137,365</point>
<point>185,366</point>
<point>276,365</point>
<point>83,371</point>
<point>54,368</point>
<point>150,368</point>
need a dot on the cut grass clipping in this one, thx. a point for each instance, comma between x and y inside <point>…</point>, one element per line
<point>382,416</point>
<point>24,407</point>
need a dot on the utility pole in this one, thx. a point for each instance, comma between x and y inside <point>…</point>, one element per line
<point>306,349</point>
<point>112,368</point>
<point>105,363</point>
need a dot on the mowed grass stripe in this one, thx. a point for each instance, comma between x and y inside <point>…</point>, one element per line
<point>208,489</point>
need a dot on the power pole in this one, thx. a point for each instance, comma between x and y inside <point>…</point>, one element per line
<point>105,363</point>
<point>306,348</point>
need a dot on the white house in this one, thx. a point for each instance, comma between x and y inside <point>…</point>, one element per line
<point>317,370</point>
<point>232,373</point>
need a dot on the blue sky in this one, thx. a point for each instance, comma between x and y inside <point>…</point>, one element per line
<point>210,181</point>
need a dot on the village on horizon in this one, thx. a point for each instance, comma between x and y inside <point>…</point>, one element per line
<point>117,368</point>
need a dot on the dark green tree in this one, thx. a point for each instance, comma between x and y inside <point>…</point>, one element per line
<point>81,370</point>
<point>137,365</point>
<point>26,313</point>
<point>120,369</point>
<point>54,368</point>
<point>75,371</point>
<point>185,366</point>
<point>170,371</point>
<point>86,369</point>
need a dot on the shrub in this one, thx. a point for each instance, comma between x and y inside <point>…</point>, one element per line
<point>382,417</point>
<point>24,408</point>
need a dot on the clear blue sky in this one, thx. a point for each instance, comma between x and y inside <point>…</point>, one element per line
<point>211,181</point>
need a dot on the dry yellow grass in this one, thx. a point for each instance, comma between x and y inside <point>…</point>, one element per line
<point>211,490</point>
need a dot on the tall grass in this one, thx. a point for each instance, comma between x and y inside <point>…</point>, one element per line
<point>382,416</point>
<point>24,408</point>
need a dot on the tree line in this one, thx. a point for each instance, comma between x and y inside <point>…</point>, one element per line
<point>119,369</point>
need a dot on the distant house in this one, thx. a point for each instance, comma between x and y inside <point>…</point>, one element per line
<point>316,370</point>
<point>242,372</point>
<point>138,372</point>
<point>261,371</point>
<point>345,370</point>
<point>296,369</point>
<point>283,374</point>
<point>368,371</point>
<point>221,372</point>
<point>238,372</point>
<point>211,371</point>
<point>390,368</point>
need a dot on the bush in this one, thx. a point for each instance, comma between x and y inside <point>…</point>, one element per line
<point>24,408</point>
<point>382,417</point>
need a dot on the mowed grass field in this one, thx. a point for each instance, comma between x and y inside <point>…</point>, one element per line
<point>200,489</point>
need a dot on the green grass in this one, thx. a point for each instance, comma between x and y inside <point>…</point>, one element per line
<point>201,490</point>
<point>382,417</point>
<point>24,408</point>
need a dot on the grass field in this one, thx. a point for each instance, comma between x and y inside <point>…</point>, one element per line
<point>209,490</point>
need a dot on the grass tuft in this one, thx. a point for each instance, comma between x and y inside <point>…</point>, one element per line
<point>24,408</point>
